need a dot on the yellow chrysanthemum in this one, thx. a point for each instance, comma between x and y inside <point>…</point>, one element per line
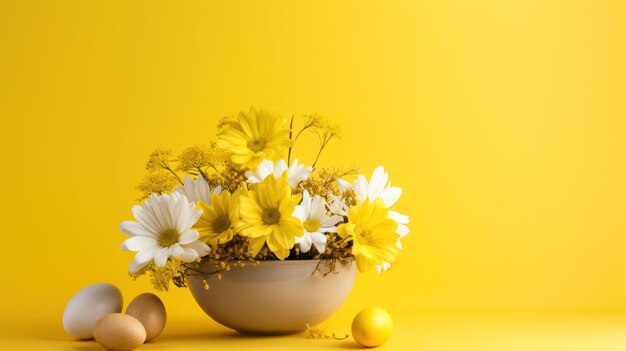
<point>267,216</point>
<point>373,234</point>
<point>218,220</point>
<point>253,137</point>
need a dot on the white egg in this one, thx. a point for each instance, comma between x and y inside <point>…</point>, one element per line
<point>89,305</point>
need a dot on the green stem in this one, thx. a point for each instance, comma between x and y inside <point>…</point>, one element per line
<point>292,141</point>
<point>300,132</point>
<point>165,166</point>
<point>319,153</point>
<point>202,173</point>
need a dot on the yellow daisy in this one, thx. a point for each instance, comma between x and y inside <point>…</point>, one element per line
<point>218,220</point>
<point>373,234</point>
<point>253,137</point>
<point>269,214</point>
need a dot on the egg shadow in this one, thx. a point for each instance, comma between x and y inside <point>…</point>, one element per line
<point>88,347</point>
<point>70,344</point>
<point>351,345</point>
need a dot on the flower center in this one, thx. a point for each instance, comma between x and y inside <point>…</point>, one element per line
<point>364,237</point>
<point>311,225</point>
<point>168,237</point>
<point>256,145</point>
<point>271,216</point>
<point>221,224</point>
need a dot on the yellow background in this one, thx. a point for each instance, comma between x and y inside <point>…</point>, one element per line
<point>503,121</point>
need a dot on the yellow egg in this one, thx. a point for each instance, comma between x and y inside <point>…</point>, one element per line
<point>119,332</point>
<point>372,327</point>
<point>150,311</point>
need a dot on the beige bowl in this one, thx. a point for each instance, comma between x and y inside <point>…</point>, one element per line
<point>274,297</point>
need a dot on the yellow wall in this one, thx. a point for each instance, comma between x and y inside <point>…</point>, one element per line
<point>504,122</point>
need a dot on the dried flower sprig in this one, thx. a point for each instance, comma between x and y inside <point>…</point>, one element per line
<point>319,333</point>
<point>160,159</point>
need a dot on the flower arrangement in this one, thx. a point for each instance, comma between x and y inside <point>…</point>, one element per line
<point>237,201</point>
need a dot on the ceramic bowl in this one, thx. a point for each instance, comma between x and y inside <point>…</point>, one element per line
<point>274,297</point>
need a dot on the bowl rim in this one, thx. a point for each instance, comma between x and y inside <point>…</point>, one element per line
<point>306,262</point>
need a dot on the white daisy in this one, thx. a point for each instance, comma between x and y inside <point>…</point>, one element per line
<point>379,186</point>
<point>163,230</point>
<point>296,172</point>
<point>197,189</point>
<point>316,222</point>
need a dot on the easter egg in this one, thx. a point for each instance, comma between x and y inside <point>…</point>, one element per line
<point>372,327</point>
<point>119,332</point>
<point>87,306</point>
<point>150,311</point>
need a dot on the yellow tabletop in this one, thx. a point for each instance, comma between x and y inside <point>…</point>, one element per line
<point>417,330</point>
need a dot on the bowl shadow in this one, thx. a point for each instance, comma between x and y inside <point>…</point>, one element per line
<point>223,334</point>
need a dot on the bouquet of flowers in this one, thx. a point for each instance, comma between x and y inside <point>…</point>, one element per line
<point>241,200</point>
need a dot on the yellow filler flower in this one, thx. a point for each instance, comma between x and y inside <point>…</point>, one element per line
<point>373,234</point>
<point>217,223</point>
<point>253,137</point>
<point>269,214</point>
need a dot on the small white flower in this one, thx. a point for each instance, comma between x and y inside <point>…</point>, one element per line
<point>337,205</point>
<point>343,185</point>
<point>379,186</point>
<point>316,223</point>
<point>296,172</point>
<point>197,189</point>
<point>163,230</point>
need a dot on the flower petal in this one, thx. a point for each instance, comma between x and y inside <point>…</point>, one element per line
<point>304,242</point>
<point>136,265</point>
<point>360,187</point>
<point>343,185</point>
<point>299,213</point>
<point>160,258</point>
<point>139,243</point>
<point>188,255</point>
<point>319,240</point>
<point>131,228</point>
<point>176,250</point>
<point>402,230</point>
<point>141,260</point>
<point>391,195</point>
<point>146,217</point>
<point>201,248</point>
<point>377,183</point>
<point>398,217</point>
<point>188,237</point>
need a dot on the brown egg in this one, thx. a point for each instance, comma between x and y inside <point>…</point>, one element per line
<point>119,332</point>
<point>150,311</point>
